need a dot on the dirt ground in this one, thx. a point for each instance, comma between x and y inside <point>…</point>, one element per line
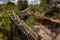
<point>46,34</point>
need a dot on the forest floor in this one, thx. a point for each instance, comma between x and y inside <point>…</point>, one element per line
<point>46,34</point>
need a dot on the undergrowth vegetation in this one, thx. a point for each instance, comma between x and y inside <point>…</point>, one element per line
<point>9,30</point>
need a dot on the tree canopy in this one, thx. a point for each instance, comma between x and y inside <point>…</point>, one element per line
<point>23,4</point>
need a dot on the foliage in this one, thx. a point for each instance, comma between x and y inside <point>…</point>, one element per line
<point>50,8</point>
<point>56,16</point>
<point>8,27</point>
<point>22,4</point>
<point>18,12</point>
<point>6,22</point>
<point>30,21</point>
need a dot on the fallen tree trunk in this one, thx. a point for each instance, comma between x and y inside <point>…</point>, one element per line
<point>31,35</point>
<point>50,19</point>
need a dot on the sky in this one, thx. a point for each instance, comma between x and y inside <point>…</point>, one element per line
<point>34,1</point>
<point>29,1</point>
<point>4,0</point>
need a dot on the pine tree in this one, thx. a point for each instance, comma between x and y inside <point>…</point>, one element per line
<point>22,4</point>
